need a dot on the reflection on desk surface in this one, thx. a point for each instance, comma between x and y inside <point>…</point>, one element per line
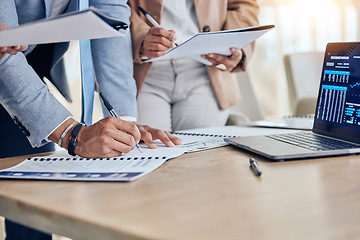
<point>290,122</point>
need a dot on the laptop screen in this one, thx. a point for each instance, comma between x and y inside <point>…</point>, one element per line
<point>338,106</point>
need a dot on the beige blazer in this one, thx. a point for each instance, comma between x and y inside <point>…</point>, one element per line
<point>212,15</point>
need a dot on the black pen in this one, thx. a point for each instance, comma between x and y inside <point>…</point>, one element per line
<point>255,167</point>
<point>152,20</point>
<point>112,111</point>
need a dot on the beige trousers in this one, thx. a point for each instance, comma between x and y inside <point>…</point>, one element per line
<point>178,95</point>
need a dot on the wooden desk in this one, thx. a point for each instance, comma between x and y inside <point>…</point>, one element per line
<point>206,195</point>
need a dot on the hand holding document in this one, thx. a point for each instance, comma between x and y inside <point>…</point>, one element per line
<point>214,42</point>
<point>13,50</point>
<point>87,24</point>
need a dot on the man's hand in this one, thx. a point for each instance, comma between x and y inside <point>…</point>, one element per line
<point>225,63</point>
<point>157,42</point>
<point>149,134</point>
<point>109,137</point>
<point>10,50</point>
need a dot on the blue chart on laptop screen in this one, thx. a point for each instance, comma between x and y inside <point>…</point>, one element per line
<point>338,108</point>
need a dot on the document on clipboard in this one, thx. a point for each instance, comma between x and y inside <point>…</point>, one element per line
<point>214,42</point>
<point>86,24</point>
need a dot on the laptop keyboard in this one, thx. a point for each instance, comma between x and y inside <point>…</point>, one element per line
<point>312,142</point>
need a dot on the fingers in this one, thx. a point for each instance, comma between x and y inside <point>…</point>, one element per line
<point>172,38</point>
<point>157,42</point>
<point>2,55</point>
<point>128,127</point>
<point>4,51</point>
<point>225,63</point>
<point>172,138</point>
<point>112,136</point>
<point>147,137</point>
<point>107,138</point>
<point>3,27</point>
<point>22,48</point>
<point>11,50</point>
<point>168,34</point>
<point>148,134</point>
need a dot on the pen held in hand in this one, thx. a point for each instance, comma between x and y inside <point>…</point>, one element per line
<point>153,21</point>
<point>112,112</point>
<point>255,167</point>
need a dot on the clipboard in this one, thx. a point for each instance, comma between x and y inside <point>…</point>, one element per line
<point>86,24</point>
<point>214,42</point>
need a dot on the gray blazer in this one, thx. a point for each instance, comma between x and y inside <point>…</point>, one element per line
<point>26,98</point>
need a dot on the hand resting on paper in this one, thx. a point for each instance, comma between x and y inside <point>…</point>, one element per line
<point>156,42</point>
<point>148,134</point>
<point>225,63</point>
<point>13,50</point>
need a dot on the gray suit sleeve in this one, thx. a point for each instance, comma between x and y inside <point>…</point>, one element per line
<point>113,61</point>
<point>22,92</point>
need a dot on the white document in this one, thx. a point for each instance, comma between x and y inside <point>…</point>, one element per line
<point>62,166</point>
<point>87,24</point>
<point>130,166</point>
<point>214,42</point>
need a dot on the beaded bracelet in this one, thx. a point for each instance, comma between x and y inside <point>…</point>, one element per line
<point>73,138</point>
<point>65,132</point>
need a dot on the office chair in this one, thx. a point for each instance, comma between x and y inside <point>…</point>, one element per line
<point>303,73</point>
<point>249,108</point>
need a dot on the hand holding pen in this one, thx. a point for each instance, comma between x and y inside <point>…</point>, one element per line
<point>113,113</point>
<point>106,138</point>
<point>147,134</point>
<point>158,40</point>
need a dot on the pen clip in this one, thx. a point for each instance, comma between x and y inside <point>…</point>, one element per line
<point>120,26</point>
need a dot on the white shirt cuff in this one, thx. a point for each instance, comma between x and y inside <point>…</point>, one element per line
<point>47,137</point>
<point>128,118</point>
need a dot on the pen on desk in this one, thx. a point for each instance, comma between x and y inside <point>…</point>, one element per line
<point>112,111</point>
<point>152,20</point>
<point>255,166</point>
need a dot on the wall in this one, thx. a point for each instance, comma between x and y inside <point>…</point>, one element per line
<point>301,25</point>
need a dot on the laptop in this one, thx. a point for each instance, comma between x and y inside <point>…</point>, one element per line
<point>336,127</point>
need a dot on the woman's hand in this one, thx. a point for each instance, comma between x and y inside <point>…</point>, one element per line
<point>225,63</point>
<point>157,42</point>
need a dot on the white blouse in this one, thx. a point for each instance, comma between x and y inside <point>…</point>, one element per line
<point>180,16</point>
